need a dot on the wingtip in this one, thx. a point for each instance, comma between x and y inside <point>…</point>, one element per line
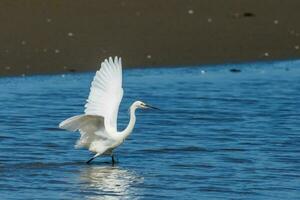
<point>111,60</point>
<point>117,60</point>
<point>60,125</point>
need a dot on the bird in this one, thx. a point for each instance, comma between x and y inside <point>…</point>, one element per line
<point>98,125</point>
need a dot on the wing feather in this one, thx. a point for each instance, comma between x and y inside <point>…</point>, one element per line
<point>106,91</point>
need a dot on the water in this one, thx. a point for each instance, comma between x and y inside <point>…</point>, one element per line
<point>221,135</point>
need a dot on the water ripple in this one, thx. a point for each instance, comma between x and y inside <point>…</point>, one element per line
<point>219,136</point>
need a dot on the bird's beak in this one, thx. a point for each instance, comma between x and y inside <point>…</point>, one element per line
<point>152,107</point>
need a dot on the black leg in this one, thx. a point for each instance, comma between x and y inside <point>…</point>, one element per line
<point>90,160</point>
<point>112,159</point>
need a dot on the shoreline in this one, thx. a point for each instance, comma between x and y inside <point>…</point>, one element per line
<point>241,64</point>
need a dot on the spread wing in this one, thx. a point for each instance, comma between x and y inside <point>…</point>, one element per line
<point>92,133</point>
<point>106,91</point>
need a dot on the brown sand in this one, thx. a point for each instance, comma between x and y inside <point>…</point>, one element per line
<point>50,36</point>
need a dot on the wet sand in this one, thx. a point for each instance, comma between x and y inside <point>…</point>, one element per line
<point>68,36</point>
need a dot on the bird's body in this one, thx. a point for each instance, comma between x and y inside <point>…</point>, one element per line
<point>98,126</point>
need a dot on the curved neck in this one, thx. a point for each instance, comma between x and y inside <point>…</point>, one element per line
<point>126,132</point>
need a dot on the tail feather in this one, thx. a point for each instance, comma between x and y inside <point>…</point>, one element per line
<point>73,123</point>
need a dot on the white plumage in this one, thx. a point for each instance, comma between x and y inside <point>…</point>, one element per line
<point>98,126</point>
<point>106,92</point>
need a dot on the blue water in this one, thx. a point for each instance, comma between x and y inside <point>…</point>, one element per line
<point>221,135</point>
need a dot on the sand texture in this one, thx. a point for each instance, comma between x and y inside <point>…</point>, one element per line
<point>53,36</point>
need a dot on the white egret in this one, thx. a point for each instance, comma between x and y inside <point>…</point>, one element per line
<point>98,124</point>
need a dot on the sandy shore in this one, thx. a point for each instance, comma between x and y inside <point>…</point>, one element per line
<point>65,35</point>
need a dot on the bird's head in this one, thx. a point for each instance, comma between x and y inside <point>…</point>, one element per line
<point>142,105</point>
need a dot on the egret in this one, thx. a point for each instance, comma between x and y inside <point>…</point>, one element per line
<point>98,125</point>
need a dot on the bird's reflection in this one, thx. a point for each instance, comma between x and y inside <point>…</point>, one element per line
<point>106,182</point>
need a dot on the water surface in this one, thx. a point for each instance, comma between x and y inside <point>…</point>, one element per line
<point>221,135</point>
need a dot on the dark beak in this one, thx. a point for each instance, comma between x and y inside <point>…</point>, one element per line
<point>148,106</point>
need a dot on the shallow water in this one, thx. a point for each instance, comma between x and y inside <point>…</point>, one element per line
<point>221,135</point>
